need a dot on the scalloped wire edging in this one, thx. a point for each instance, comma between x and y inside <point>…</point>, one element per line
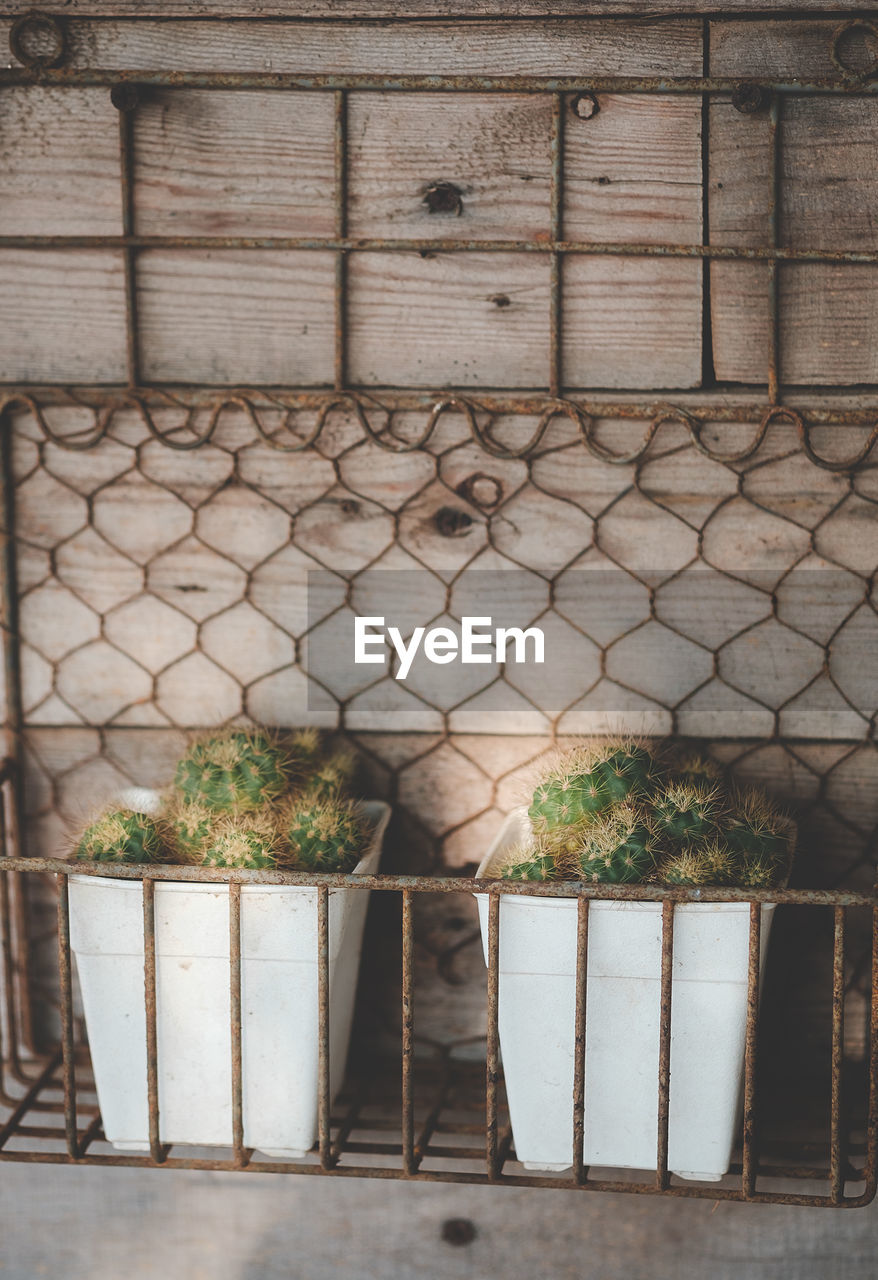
<point>584,416</point>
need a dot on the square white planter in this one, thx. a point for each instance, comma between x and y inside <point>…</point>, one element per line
<point>536,1023</point>
<point>279,1004</point>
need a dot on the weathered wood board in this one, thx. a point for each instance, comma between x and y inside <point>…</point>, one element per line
<point>541,44</point>
<point>829,312</point>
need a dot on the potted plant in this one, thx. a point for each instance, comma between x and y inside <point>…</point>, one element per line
<point>618,813</point>
<point>240,799</point>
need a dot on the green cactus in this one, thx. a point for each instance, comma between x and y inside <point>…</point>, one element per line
<point>324,834</point>
<point>760,871</point>
<point>588,781</point>
<point>687,812</point>
<point>711,863</point>
<point>757,827</point>
<point>121,835</point>
<point>617,848</point>
<point>694,766</point>
<point>306,747</point>
<point>236,771</point>
<point>247,843</point>
<point>190,827</point>
<point>528,862</point>
<point>333,776</point>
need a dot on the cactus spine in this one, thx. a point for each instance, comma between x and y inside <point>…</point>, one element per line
<point>248,843</point>
<point>528,862</point>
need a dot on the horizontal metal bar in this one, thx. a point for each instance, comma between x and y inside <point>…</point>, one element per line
<point>95,77</point>
<point>391,399</point>
<point>447,244</point>
<point>689,1191</point>
<point>445,884</point>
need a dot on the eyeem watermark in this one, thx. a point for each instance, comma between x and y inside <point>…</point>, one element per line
<point>479,641</point>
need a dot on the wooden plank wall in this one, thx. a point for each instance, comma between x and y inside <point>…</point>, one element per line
<point>261,163</point>
<point>114,541</point>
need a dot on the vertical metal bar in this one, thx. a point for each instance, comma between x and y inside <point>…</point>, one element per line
<point>556,215</point>
<point>408,1120</point>
<point>235,1020</point>
<point>341,221</point>
<point>774,170</point>
<point>836,1153</point>
<point>664,1070</point>
<point>66,984</point>
<point>580,1034</point>
<point>20,992</point>
<point>10,1052</point>
<point>149,987</point>
<point>323,1100</point>
<point>749,1160</point>
<point>870,1172</point>
<point>126,172</point>
<point>492,1057</point>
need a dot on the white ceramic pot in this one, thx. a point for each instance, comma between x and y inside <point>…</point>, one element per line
<point>279,1002</point>
<point>537,1000</point>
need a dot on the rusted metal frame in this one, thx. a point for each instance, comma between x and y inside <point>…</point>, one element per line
<point>447,884</point>
<point>556,223</point>
<point>8,1052</point>
<point>837,1154</point>
<point>579,1171</point>
<point>349,1123</point>
<point>94,1129</point>
<point>97,77</point>
<point>870,1172</point>
<point>157,1151</point>
<point>323,1098</point>
<point>408,1118</point>
<point>65,978</point>
<point>431,1124</point>
<point>664,1065</point>
<point>341,218</point>
<point>110,397</point>
<point>126,174</point>
<point>492,1054</point>
<point>690,1191</point>
<point>774,197</point>
<point>24,1104</point>
<point>342,243</point>
<point>235,1022</point>
<point>14,923</point>
<point>749,1161</point>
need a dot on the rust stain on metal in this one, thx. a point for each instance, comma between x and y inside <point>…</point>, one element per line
<point>38,41</point>
<point>126,96</point>
<point>748,99</point>
<point>481,490</point>
<point>585,106</point>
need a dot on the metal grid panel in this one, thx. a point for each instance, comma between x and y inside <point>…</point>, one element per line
<point>44,65</point>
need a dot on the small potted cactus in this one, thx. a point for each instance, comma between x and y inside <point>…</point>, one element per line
<point>619,813</point>
<point>242,799</point>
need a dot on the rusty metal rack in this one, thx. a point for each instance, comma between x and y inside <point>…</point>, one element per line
<point>447,1125</point>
